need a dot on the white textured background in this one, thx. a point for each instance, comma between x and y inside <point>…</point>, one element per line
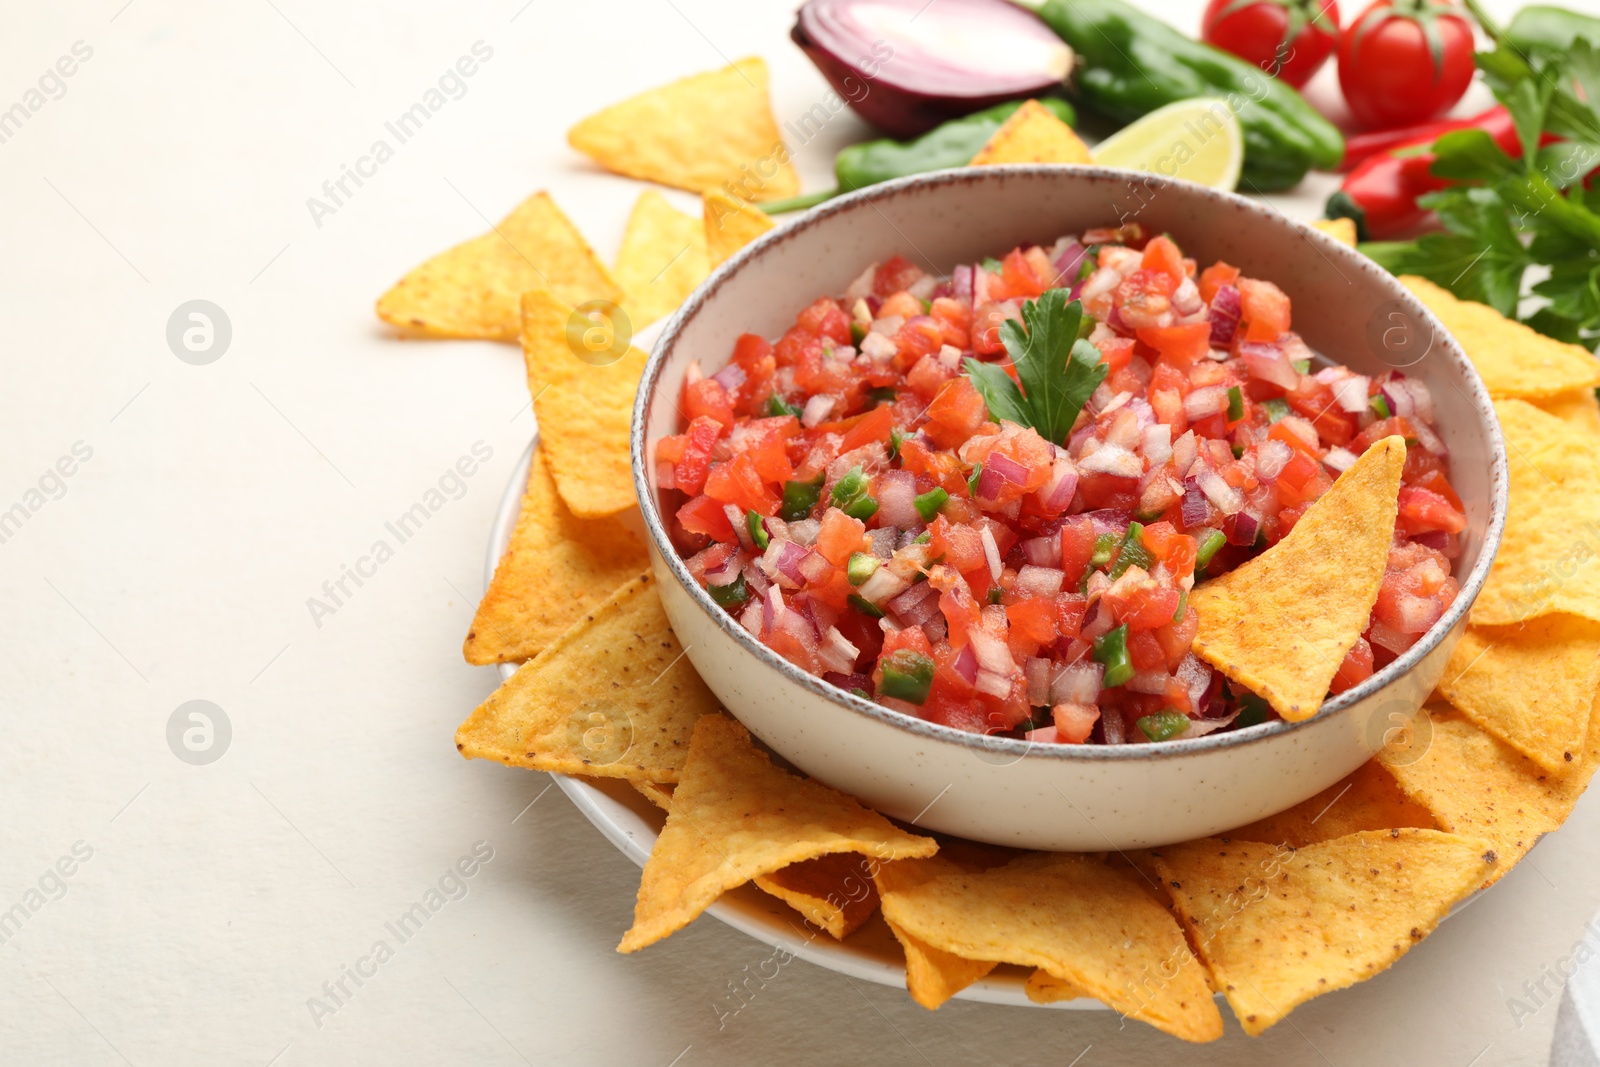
<point>177,563</point>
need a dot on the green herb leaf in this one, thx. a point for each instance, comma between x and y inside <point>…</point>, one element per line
<point>1471,155</point>
<point>1059,370</point>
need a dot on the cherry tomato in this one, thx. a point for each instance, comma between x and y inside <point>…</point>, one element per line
<point>1405,61</point>
<point>1289,39</point>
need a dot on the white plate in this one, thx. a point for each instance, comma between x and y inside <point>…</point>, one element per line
<point>632,824</point>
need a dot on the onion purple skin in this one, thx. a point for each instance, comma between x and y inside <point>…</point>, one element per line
<point>906,111</point>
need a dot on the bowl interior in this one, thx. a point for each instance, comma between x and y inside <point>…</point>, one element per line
<point>1345,306</point>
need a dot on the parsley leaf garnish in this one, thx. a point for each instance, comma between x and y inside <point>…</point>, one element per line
<point>1058,368</point>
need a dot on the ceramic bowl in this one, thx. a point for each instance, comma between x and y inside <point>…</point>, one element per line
<point>1047,796</point>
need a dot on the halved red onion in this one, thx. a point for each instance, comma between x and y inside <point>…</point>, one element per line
<point>906,66</point>
<point>1042,551</point>
<point>897,493</point>
<point>1206,401</point>
<point>1077,683</point>
<point>1040,581</point>
<point>1351,393</point>
<point>1224,316</point>
<point>1224,497</point>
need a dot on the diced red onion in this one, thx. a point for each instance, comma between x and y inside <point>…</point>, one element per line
<point>805,531</point>
<point>1224,497</point>
<point>883,541</point>
<point>1427,438</point>
<point>1151,683</point>
<point>897,491</point>
<point>1418,614</point>
<point>816,410</point>
<point>923,287</point>
<point>991,552</point>
<point>1114,727</point>
<point>961,283</point>
<point>1042,551</point>
<point>1245,528</point>
<point>1006,468</point>
<point>861,287</point>
<point>1195,509</point>
<point>1186,300</point>
<point>751,618</point>
<point>1268,363</point>
<point>1225,310</point>
<point>993,684</point>
<point>1056,494</point>
<point>1447,544</point>
<point>1184,449</point>
<point>1272,456</point>
<point>911,597</point>
<point>921,612</point>
<point>1069,260</point>
<point>966,664</point>
<point>1195,676</point>
<point>1156,444</point>
<point>1351,393</point>
<point>756,578</point>
<point>1077,683</point>
<point>814,567</point>
<point>773,609</point>
<point>730,377</point>
<point>1109,520</point>
<point>788,559</point>
<point>1339,459</point>
<point>1206,401</point>
<point>724,573</point>
<point>992,653</point>
<point>1123,431</point>
<point>1421,400</point>
<point>1040,581</point>
<point>936,629</point>
<point>741,529</point>
<point>980,286</point>
<point>848,682</point>
<point>1036,670</point>
<point>1097,621</point>
<point>836,652</point>
<point>1112,459</point>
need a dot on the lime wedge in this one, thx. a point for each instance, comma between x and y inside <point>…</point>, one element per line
<point>1197,140</point>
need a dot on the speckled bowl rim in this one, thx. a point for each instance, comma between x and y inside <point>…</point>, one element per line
<point>1338,252</point>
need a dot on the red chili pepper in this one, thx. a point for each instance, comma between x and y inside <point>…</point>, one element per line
<point>1381,193</point>
<point>1358,147</point>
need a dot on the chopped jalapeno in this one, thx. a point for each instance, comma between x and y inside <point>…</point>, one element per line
<point>858,332</point>
<point>895,437</point>
<point>1301,366</point>
<point>1163,725</point>
<point>907,675</point>
<point>1183,605</point>
<point>758,532</point>
<point>731,595</point>
<point>923,538</point>
<point>881,394</point>
<point>799,498</point>
<point>1380,406</point>
<point>929,503</point>
<point>1238,451</point>
<point>1252,710</point>
<point>1210,542</point>
<point>1235,403</point>
<point>991,265</point>
<point>861,567</point>
<point>1104,545</point>
<point>1111,649</point>
<point>1131,552</point>
<point>860,692</point>
<point>778,406</point>
<point>995,593</point>
<point>865,606</point>
<point>1276,408</point>
<point>972,479</point>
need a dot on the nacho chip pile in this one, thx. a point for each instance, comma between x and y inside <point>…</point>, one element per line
<point>1315,898</point>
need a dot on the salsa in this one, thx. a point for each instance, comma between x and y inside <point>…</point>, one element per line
<point>875,499</point>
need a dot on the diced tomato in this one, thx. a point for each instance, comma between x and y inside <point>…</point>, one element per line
<point>1315,401</point>
<point>1397,426</point>
<point>1264,310</point>
<point>1077,547</point>
<point>920,336</point>
<point>1017,279</point>
<point>894,274</point>
<point>954,319</point>
<point>928,377</point>
<point>1434,481</point>
<point>1161,254</point>
<point>1172,549</point>
<point>700,441</point>
<point>1215,277</point>
<point>961,546</point>
<point>1108,491</point>
<point>956,413</point>
<point>795,345</point>
<point>873,426</point>
<point>1302,479</point>
<point>1145,651</point>
<point>1281,431</point>
<point>1144,298</point>
<point>738,483</point>
<point>1182,344</point>
<point>910,637</point>
<point>826,318</point>
<point>902,305</point>
<point>1074,722</point>
<point>703,515</point>
<point>1116,352</point>
<point>707,398</point>
<point>986,322</point>
<point>1176,636</point>
<point>1033,619</point>
<point>1356,668</point>
<point>1422,511</point>
<point>840,537</point>
<point>765,441</point>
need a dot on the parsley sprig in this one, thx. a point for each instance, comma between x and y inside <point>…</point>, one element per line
<point>1508,216</point>
<point>1059,369</point>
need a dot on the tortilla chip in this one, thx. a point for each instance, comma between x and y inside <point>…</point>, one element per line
<point>1032,135</point>
<point>557,568</point>
<point>663,258</point>
<point>584,407</point>
<point>472,290</point>
<point>657,793</point>
<point>1475,784</point>
<point>1280,926</point>
<point>1578,409</point>
<point>1512,359</point>
<point>697,133</point>
<point>734,817</point>
<point>835,892</point>
<point>1042,987</point>
<point>933,976</point>
<point>1549,558</point>
<point>1531,685</point>
<point>731,224</point>
<point>1342,230</point>
<point>614,697</point>
<point>1365,799</point>
<point>1077,918</point>
<point>1281,623</point>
